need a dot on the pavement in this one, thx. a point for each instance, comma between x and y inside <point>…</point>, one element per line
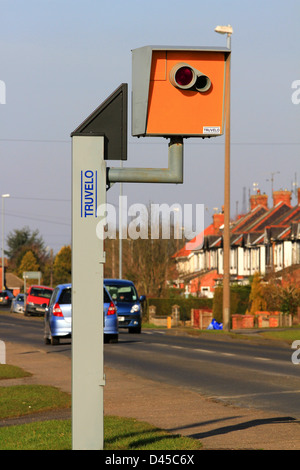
<point>218,426</point>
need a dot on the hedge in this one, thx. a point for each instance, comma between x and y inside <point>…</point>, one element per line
<point>164,306</point>
<point>239,300</point>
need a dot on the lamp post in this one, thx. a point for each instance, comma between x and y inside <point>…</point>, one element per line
<point>226,233</point>
<point>3,197</point>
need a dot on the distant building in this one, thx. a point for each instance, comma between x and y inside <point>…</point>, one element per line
<point>11,281</point>
<point>265,240</point>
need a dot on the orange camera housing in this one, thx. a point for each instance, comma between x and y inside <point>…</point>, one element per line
<point>178,91</point>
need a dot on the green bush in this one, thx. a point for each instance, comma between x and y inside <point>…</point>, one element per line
<point>239,300</point>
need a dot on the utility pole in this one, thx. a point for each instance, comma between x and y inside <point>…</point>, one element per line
<point>226,232</point>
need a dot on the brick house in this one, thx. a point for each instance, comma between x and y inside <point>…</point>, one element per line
<point>265,240</point>
<point>11,281</point>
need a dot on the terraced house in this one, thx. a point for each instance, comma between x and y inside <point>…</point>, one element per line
<point>264,240</point>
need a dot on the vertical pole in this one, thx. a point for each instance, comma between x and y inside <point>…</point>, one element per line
<point>3,287</point>
<point>121,229</point>
<point>88,192</point>
<point>3,267</point>
<point>226,233</point>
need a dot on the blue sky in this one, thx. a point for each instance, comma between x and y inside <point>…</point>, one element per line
<point>61,59</point>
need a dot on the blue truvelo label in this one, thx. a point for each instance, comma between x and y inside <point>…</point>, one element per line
<point>89,193</point>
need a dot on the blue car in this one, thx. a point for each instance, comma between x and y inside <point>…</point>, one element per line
<point>128,303</point>
<point>58,316</point>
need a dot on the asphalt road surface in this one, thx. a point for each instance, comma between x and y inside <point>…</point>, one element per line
<point>245,374</point>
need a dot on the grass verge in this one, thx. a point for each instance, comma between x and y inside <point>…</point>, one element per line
<point>12,372</point>
<point>287,335</point>
<point>20,400</point>
<point>119,434</point>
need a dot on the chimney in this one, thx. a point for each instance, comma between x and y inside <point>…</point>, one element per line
<point>282,196</point>
<point>258,200</point>
<point>218,220</point>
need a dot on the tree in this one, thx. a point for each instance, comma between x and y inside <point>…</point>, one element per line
<point>256,298</point>
<point>28,263</point>
<point>290,299</point>
<point>146,261</point>
<point>21,241</point>
<point>62,266</point>
<point>272,291</point>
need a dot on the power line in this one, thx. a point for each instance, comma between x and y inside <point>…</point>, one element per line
<point>37,141</point>
<point>40,199</point>
<point>38,219</point>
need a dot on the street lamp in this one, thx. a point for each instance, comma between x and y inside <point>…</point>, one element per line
<point>3,197</point>
<point>226,233</point>
<point>225,30</point>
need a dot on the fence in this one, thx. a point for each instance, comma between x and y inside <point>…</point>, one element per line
<point>261,320</point>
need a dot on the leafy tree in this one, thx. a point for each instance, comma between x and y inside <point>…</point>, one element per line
<point>256,299</point>
<point>62,266</point>
<point>239,296</point>
<point>218,304</point>
<point>21,241</point>
<point>28,263</point>
<point>272,296</point>
<point>290,299</point>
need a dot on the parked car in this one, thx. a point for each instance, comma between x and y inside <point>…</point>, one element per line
<point>58,316</point>
<point>128,303</point>
<point>6,298</point>
<point>36,299</point>
<point>17,305</point>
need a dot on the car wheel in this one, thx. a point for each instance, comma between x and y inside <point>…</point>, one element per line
<point>54,340</point>
<point>111,338</point>
<point>135,330</point>
<point>46,340</point>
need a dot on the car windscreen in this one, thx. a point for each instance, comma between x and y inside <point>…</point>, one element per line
<point>38,292</point>
<point>122,293</point>
<point>106,297</point>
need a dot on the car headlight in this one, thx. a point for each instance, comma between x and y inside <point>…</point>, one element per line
<point>135,308</point>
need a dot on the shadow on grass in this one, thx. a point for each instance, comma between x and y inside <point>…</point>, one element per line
<point>241,426</point>
<point>143,436</point>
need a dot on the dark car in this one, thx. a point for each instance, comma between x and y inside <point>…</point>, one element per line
<point>128,303</point>
<point>6,298</point>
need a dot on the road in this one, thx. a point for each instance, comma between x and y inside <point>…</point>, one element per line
<point>240,373</point>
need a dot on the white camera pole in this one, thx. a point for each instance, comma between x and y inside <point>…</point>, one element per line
<point>88,191</point>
